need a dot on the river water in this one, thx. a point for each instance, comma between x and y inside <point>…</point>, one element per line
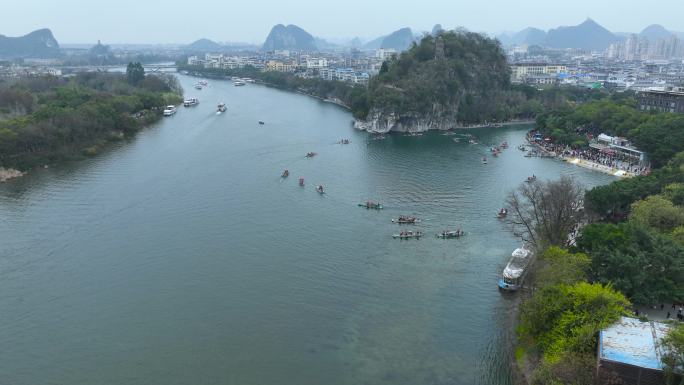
<point>182,256</point>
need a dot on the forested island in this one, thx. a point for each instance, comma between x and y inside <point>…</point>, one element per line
<point>48,119</point>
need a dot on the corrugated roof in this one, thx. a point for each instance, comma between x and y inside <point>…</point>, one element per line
<point>633,342</point>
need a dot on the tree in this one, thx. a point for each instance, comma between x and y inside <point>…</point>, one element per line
<point>645,265</point>
<point>559,266</point>
<point>673,357</point>
<point>135,73</point>
<point>545,213</point>
<point>657,212</point>
<point>564,319</point>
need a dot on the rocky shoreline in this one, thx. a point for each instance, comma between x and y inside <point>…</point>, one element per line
<point>382,124</point>
<point>9,173</point>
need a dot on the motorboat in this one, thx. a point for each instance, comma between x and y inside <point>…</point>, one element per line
<point>301,182</point>
<point>198,86</point>
<point>221,108</point>
<point>484,160</point>
<point>286,173</point>
<point>514,273</point>
<point>190,102</point>
<point>531,179</point>
<point>310,154</point>
<point>203,83</point>
<point>169,110</point>
<point>319,189</point>
<point>261,122</point>
<point>502,213</point>
<point>239,83</point>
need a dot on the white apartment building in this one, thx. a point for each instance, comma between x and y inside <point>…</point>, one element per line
<point>521,71</point>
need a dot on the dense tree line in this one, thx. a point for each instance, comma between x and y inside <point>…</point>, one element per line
<point>660,135</point>
<point>45,119</point>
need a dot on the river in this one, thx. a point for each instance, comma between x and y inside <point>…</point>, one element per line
<point>182,257</point>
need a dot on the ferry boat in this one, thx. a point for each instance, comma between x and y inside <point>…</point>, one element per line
<point>191,102</point>
<point>221,108</point>
<point>169,110</point>
<point>514,274</point>
<point>239,83</point>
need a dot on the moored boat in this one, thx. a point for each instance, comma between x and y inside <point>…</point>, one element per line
<point>198,86</point>
<point>169,110</point>
<point>514,273</point>
<point>239,83</point>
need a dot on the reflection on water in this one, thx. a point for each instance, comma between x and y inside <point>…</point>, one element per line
<point>183,256</point>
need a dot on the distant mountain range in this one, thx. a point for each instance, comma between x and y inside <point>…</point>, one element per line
<point>37,44</point>
<point>289,38</point>
<point>588,35</point>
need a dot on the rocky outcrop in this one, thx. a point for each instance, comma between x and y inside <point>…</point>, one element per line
<point>9,173</point>
<point>382,122</point>
<point>38,44</point>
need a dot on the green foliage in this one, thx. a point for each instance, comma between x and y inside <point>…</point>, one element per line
<point>675,193</point>
<point>559,266</point>
<point>66,118</point>
<point>673,357</point>
<point>564,319</point>
<point>648,267</point>
<point>135,73</point>
<point>657,212</point>
<point>616,198</point>
<point>570,368</point>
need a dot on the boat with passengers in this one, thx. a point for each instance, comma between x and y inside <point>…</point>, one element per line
<point>371,205</point>
<point>447,234</point>
<point>190,102</point>
<point>169,110</point>
<point>408,234</point>
<point>514,273</point>
<point>406,220</point>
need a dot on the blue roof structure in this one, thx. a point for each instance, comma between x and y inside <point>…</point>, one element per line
<point>632,342</point>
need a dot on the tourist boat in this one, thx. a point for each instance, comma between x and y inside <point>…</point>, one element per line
<point>406,220</point>
<point>408,235</point>
<point>514,274</point>
<point>198,86</point>
<point>531,179</point>
<point>286,173</point>
<point>371,205</point>
<point>502,213</point>
<point>310,154</point>
<point>169,110</point>
<point>446,234</point>
<point>190,102</point>
<point>203,82</point>
<point>301,182</point>
<point>239,83</point>
<point>319,189</point>
<point>221,108</point>
<point>484,160</point>
<point>344,141</point>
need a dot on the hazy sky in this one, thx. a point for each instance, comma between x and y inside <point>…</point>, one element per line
<point>182,21</point>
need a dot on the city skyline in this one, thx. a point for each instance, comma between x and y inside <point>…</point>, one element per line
<point>79,21</point>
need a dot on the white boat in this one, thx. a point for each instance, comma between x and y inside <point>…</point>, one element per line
<point>198,86</point>
<point>191,102</point>
<point>203,82</point>
<point>221,108</point>
<point>239,83</point>
<point>514,274</point>
<point>169,110</point>
<point>408,235</point>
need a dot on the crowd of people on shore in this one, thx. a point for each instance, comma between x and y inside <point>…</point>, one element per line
<point>611,159</point>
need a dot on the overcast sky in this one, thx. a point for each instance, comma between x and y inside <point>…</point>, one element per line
<point>176,21</point>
